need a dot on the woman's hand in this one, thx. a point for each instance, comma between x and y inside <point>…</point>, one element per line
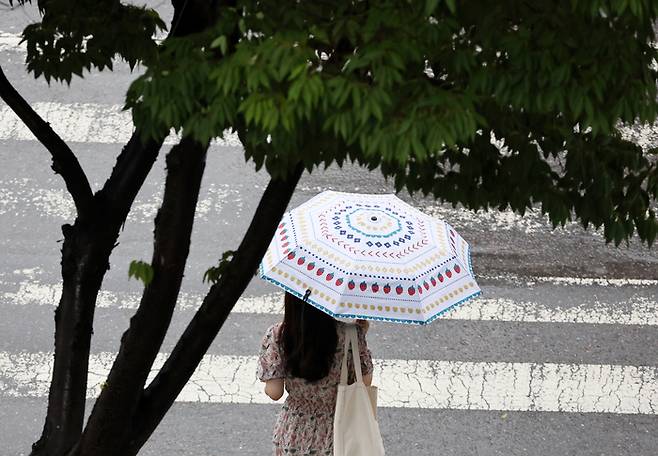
<point>365,324</point>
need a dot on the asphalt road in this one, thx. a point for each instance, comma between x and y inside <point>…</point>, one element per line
<point>557,357</point>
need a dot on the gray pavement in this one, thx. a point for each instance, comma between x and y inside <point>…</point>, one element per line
<point>217,430</point>
<point>451,340</point>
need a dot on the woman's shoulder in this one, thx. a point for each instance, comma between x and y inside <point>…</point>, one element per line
<point>343,325</point>
<point>274,331</point>
<point>341,331</point>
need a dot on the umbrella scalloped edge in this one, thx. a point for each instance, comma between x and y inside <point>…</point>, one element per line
<point>366,317</point>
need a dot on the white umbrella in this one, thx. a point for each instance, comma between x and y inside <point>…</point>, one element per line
<point>371,257</point>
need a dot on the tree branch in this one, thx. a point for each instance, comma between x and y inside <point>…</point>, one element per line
<point>107,427</point>
<point>130,170</point>
<point>65,162</point>
<point>218,303</point>
<point>136,159</point>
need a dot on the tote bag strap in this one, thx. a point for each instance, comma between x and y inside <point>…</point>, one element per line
<point>351,338</point>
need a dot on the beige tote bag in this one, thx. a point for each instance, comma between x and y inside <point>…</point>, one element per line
<point>356,431</point>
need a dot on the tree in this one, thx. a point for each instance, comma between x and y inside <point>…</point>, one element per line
<point>415,89</point>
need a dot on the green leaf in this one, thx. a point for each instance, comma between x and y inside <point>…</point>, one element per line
<point>220,42</point>
<point>297,71</point>
<point>214,273</point>
<point>141,270</point>
<point>430,6</point>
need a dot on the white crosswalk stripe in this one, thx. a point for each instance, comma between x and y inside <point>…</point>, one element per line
<point>107,124</point>
<point>21,196</point>
<point>12,42</point>
<point>547,387</point>
<point>639,310</point>
<point>84,122</point>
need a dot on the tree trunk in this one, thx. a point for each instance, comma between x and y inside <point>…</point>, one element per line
<point>111,419</point>
<point>82,274</point>
<point>216,306</point>
<point>85,258</point>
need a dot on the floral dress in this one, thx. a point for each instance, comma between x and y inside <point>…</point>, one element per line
<point>304,426</point>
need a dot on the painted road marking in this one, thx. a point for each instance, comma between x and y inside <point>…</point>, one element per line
<point>642,134</point>
<point>546,387</point>
<point>21,195</point>
<point>85,122</point>
<point>24,196</point>
<point>11,42</point>
<point>637,309</point>
<point>572,281</point>
<point>106,123</point>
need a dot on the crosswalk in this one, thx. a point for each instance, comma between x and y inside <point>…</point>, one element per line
<point>637,310</point>
<point>540,387</point>
<point>512,386</point>
<point>84,122</point>
<point>34,204</point>
<point>406,383</point>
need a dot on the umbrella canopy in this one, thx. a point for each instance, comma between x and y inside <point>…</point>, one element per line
<point>368,256</point>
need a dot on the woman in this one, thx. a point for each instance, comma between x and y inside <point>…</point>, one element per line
<point>304,354</point>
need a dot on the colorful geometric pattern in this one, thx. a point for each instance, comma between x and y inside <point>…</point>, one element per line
<point>370,256</point>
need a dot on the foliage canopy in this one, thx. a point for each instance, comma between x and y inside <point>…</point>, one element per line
<point>418,89</point>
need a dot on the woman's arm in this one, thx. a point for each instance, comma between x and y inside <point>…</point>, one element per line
<point>270,368</point>
<point>274,388</point>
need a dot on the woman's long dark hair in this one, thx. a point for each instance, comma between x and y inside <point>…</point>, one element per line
<point>309,339</point>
